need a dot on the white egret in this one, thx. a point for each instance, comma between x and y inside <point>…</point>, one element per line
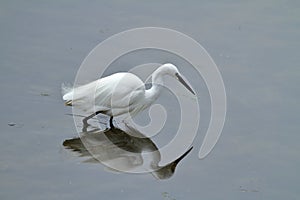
<point>120,93</point>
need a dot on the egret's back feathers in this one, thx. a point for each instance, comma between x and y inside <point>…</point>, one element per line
<point>117,91</point>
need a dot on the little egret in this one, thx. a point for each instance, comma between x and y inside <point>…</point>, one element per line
<point>120,93</point>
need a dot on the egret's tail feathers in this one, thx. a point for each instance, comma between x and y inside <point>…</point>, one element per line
<point>65,88</point>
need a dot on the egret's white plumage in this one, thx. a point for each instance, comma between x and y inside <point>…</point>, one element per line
<point>120,93</point>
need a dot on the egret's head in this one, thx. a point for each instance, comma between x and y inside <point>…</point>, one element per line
<point>170,69</point>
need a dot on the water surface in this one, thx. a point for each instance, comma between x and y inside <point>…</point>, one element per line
<point>255,44</point>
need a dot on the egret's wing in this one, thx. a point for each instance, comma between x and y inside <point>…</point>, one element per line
<point>117,91</point>
<point>84,97</point>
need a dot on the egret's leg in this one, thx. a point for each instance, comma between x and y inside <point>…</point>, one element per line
<point>111,124</point>
<point>85,120</point>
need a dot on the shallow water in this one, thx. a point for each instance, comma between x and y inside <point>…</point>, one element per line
<point>255,46</point>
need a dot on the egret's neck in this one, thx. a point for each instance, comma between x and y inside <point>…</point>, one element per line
<point>157,84</point>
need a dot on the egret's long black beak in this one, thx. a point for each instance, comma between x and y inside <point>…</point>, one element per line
<point>181,80</point>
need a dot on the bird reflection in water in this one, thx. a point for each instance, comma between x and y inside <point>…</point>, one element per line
<point>122,150</point>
